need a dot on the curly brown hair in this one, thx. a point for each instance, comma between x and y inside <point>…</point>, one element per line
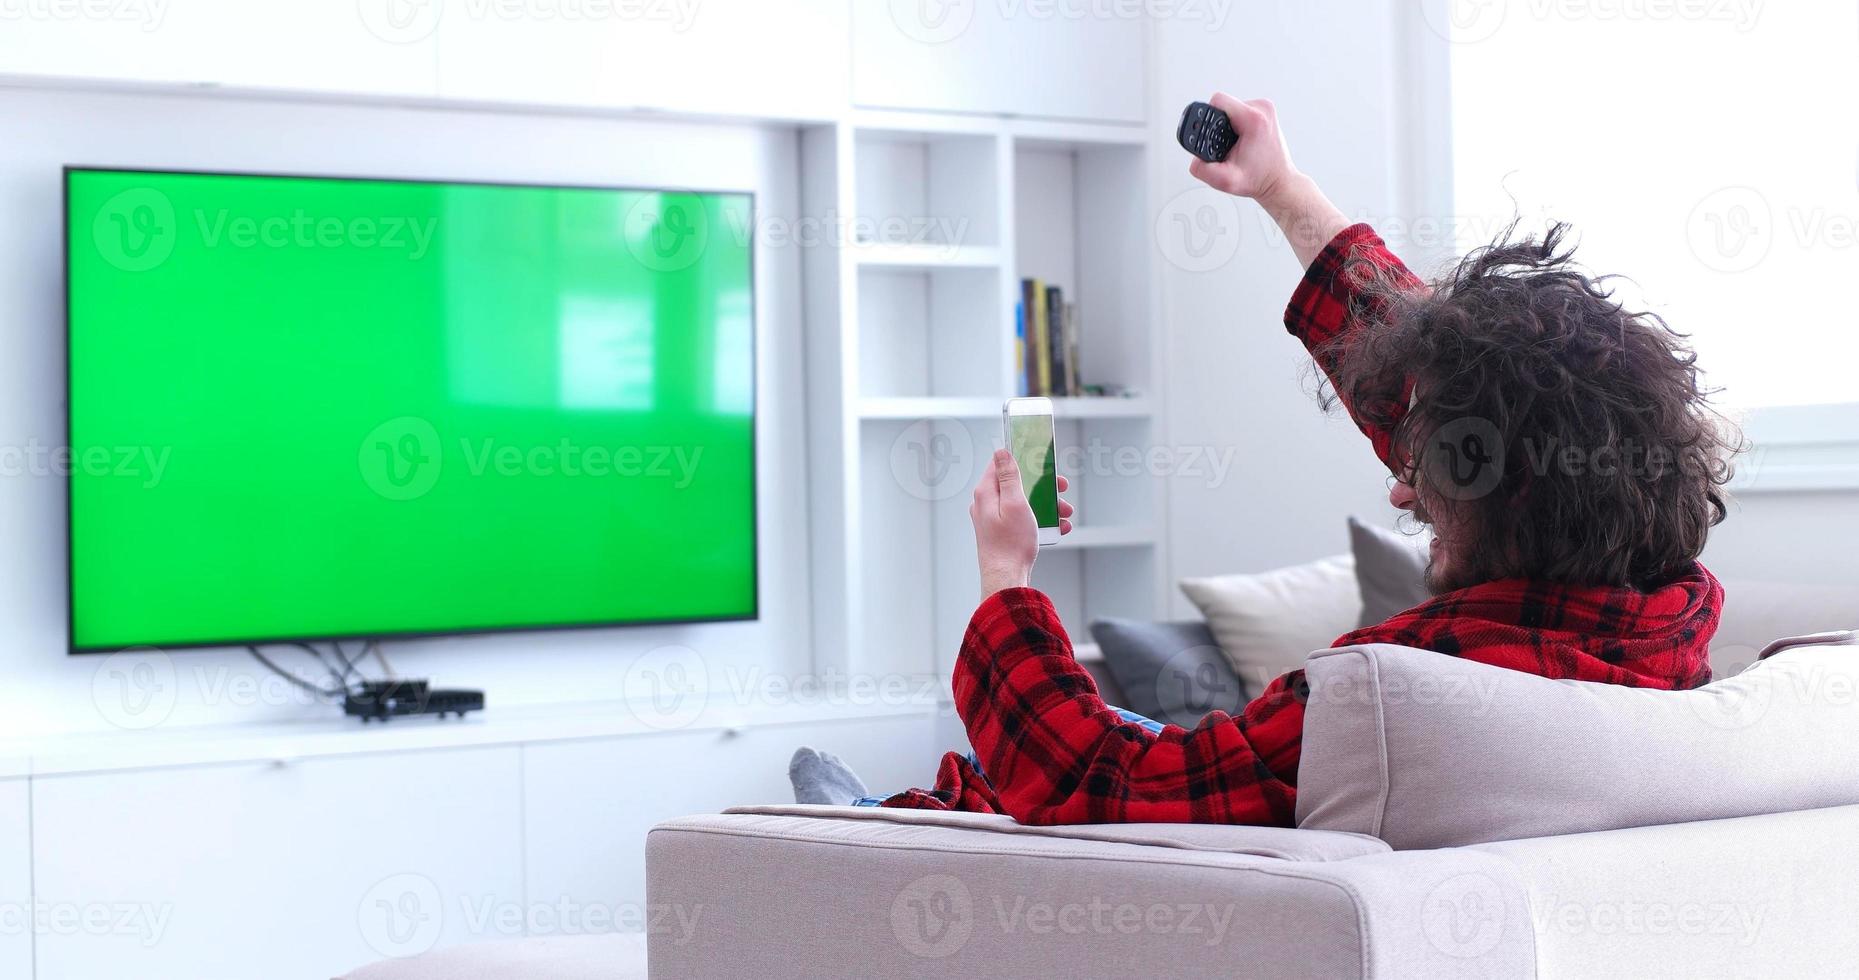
<point>1607,462</point>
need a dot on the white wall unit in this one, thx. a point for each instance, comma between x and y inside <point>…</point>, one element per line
<point>306,45</point>
<point>926,358</point>
<point>590,802</point>
<point>297,870</point>
<point>1028,59</point>
<point>780,59</point>
<point>16,908</point>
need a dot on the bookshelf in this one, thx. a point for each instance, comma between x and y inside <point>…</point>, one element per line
<point>910,340</point>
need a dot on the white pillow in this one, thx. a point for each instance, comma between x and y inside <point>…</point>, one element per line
<point>1269,622</point>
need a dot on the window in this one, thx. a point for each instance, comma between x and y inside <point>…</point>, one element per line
<point>1707,149</point>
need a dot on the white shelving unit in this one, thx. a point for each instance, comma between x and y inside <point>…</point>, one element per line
<point>911,354</point>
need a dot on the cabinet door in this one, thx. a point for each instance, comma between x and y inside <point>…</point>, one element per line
<point>1024,59</point>
<point>365,46</point>
<point>780,58</point>
<point>302,870</point>
<point>591,802</point>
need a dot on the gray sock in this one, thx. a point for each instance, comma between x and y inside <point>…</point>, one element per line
<point>819,777</point>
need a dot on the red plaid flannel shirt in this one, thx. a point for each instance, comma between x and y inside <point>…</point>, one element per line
<point>1056,754</point>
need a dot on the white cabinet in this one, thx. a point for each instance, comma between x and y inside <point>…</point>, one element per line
<point>591,802</point>
<point>362,46</point>
<point>297,870</point>
<point>782,59</point>
<point>16,918</point>
<point>1025,58</point>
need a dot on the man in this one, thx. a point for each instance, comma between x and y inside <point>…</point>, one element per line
<point>1560,447</point>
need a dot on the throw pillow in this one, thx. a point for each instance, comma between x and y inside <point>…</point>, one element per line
<point>1172,672</point>
<point>1268,622</point>
<point>1390,571</point>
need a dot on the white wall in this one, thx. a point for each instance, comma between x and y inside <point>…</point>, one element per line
<point>47,691</point>
<point>1235,380</point>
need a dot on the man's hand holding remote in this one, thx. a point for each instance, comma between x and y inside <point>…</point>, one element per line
<point>1260,167</point>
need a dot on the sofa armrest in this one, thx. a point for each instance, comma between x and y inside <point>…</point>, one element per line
<point>775,895</point>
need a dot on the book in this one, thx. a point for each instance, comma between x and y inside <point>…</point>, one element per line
<point>1019,348</point>
<point>1041,341</point>
<point>1029,370</point>
<point>1055,342</point>
<point>1072,386</point>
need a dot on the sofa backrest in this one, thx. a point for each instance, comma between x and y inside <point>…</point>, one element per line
<point>1424,750</point>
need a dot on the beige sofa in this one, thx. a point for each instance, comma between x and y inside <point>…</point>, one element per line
<point>1508,834</point>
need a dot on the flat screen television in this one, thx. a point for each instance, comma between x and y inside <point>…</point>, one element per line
<point>311,407</point>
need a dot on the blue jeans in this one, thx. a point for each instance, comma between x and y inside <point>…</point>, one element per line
<point>1129,716</point>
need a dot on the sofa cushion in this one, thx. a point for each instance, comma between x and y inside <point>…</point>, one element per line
<point>1282,843</point>
<point>1424,750</point>
<point>1172,672</point>
<point>1268,622</point>
<point>1390,571</point>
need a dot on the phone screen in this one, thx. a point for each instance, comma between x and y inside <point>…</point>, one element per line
<point>1029,438</point>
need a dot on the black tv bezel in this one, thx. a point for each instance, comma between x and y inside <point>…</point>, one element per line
<point>72,648</point>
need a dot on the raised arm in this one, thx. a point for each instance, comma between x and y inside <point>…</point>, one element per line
<point>1349,273</point>
<point>1260,167</point>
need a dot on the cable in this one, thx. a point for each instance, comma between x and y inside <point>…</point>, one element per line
<point>293,678</point>
<point>382,657</point>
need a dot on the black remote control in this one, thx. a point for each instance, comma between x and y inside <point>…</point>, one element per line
<point>1205,132</point>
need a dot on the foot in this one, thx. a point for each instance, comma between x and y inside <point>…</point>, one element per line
<point>820,778</point>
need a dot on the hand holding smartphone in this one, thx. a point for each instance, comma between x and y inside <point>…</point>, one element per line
<point>1031,440</point>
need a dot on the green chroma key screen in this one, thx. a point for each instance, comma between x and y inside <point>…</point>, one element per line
<point>307,407</point>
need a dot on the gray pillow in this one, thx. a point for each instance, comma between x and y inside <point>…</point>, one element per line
<point>1424,750</point>
<point>1171,672</point>
<point>1390,571</point>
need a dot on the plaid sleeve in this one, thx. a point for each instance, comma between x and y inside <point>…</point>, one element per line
<point>1056,754</point>
<point>1334,300</point>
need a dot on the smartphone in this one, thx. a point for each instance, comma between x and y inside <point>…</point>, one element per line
<point>1028,424</point>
